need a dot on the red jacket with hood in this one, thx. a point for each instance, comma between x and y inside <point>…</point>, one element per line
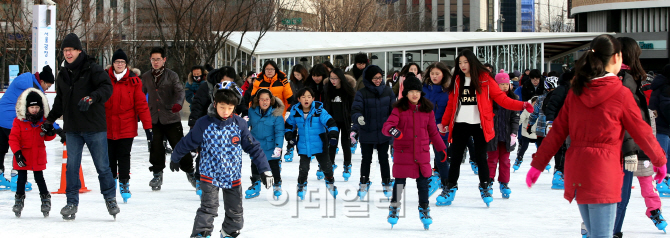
<point>26,137</point>
<point>126,104</point>
<point>595,122</point>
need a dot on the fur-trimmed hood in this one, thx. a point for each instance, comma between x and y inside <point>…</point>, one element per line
<point>136,71</point>
<point>278,105</point>
<point>349,78</point>
<point>21,103</point>
<point>189,79</point>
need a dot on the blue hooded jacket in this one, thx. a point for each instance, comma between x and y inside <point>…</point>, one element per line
<point>439,98</point>
<point>8,100</point>
<point>268,127</point>
<point>312,131</point>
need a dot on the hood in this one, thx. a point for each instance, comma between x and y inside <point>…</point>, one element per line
<point>21,103</point>
<point>204,74</point>
<point>316,106</point>
<point>599,90</point>
<point>658,82</point>
<point>278,107</point>
<point>349,78</point>
<point>210,77</point>
<point>378,90</point>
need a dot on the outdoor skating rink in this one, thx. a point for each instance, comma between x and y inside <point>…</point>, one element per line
<point>536,212</point>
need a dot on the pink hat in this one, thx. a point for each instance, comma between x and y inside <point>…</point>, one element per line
<point>502,77</point>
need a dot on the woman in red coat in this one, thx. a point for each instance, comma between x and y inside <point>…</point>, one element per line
<point>412,123</point>
<point>469,113</point>
<point>27,143</point>
<point>596,112</point>
<point>126,104</point>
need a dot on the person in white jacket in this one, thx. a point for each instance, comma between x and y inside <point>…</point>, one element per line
<point>525,139</point>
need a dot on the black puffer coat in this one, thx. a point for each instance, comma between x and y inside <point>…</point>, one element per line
<point>375,104</point>
<point>555,99</point>
<point>629,147</point>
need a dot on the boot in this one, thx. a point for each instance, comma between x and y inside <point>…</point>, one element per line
<point>46,204</point>
<point>301,190</point>
<point>447,196</point>
<point>157,181</point>
<point>557,182</point>
<point>346,173</point>
<point>387,188</point>
<point>5,184</point>
<point>517,163</point>
<point>658,220</point>
<point>505,190</point>
<point>319,173</point>
<point>393,213</point>
<point>331,186</point>
<point>424,215</point>
<point>69,211</point>
<point>112,206</point>
<point>363,189</point>
<point>18,204</point>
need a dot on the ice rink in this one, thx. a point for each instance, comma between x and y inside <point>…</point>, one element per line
<point>536,212</point>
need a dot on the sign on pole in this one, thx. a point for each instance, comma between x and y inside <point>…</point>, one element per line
<point>13,72</point>
<point>44,38</point>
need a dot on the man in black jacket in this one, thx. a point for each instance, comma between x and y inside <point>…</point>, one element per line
<point>82,88</point>
<point>532,87</point>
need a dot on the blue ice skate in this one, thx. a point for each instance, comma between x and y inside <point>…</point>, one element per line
<point>15,178</point>
<point>319,173</point>
<point>388,188</point>
<point>198,190</point>
<point>331,188</point>
<point>4,183</point>
<point>424,215</point>
<point>663,188</point>
<point>353,148</point>
<point>434,183</point>
<point>658,220</point>
<point>557,182</point>
<point>276,190</point>
<point>254,190</point>
<point>446,197</point>
<point>548,168</point>
<point>363,189</point>
<point>505,190</point>
<point>301,190</point>
<point>486,195</point>
<point>585,233</point>
<point>517,163</point>
<point>393,215</point>
<point>124,189</point>
<point>288,157</point>
<point>474,167</point>
<point>346,172</point>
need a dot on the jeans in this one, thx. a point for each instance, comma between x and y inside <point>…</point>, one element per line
<point>97,145</point>
<point>442,167</point>
<point>599,219</point>
<point>664,140</point>
<point>625,197</point>
<point>382,156</point>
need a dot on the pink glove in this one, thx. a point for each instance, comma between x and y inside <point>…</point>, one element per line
<point>513,140</point>
<point>528,106</point>
<point>533,175</point>
<point>660,173</point>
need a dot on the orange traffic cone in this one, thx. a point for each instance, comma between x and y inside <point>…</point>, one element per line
<point>63,181</point>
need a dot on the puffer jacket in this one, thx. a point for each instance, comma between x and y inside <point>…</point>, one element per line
<point>660,101</point>
<point>595,122</point>
<point>375,104</point>
<point>528,90</point>
<point>313,131</point>
<point>191,87</point>
<point>205,96</point>
<point>629,147</point>
<point>9,98</point>
<point>268,127</point>
<point>126,105</point>
<point>556,98</point>
<point>26,137</point>
<point>440,98</point>
<point>511,119</point>
<point>411,154</point>
<point>163,96</point>
<point>278,85</point>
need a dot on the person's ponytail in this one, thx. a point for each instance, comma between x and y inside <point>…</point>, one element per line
<point>592,64</point>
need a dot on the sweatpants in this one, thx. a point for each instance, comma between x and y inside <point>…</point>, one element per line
<point>345,142</point>
<point>119,157</point>
<point>324,163</point>
<point>382,156</point>
<point>461,133</point>
<point>23,177</point>
<point>499,158</point>
<point>209,208</point>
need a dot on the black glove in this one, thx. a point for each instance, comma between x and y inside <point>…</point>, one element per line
<point>20,160</point>
<point>51,131</point>
<point>46,128</point>
<point>333,138</point>
<point>529,128</point>
<point>290,138</point>
<point>61,134</point>
<point>150,137</point>
<point>174,166</point>
<point>395,133</point>
<point>85,103</point>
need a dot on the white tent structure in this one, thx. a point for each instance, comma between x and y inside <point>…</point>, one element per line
<point>506,50</point>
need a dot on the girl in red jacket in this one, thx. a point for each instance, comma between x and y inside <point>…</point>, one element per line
<point>469,113</point>
<point>27,143</point>
<point>596,112</point>
<point>412,123</point>
<point>122,109</point>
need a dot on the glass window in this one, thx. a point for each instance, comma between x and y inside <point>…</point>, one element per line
<point>429,57</point>
<point>447,56</point>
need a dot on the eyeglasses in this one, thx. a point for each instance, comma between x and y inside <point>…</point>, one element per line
<point>377,79</point>
<point>120,62</point>
<point>156,60</point>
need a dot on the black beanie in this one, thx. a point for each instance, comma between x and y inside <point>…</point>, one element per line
<point>361,58</point>
<point>119,54</point>
<point>71,40</point>
<point>411,83</point>
<point>47,75</point>
<point>371,71</point>
<point>33,99</point>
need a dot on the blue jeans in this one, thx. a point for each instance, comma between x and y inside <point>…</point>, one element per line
<point>598,219</point>
<point>97,145</point>
<point>625,197</point>
<point>664,140</point>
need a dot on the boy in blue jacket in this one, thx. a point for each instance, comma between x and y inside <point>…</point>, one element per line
<point>222,136</point>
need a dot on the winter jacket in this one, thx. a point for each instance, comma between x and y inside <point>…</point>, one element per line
<point>538,119</point>
<point>202,102</point>
<point>163,96</point>
<point>26,137</point>
<point>8,100</point>
<point>359,81</point>
<point>221,143</point>
<point>312,137</point>
<point>660,101</point>
<point>245,86</point>
<point>191,87</point>
<point>439,97</point>
<point>318,88</point>
<point>511,120</point>
<point>523,120</point>
<point>375,104</point>
<point>411,154</point>
<point>528,90</point>
<point>125,106</point>
<point>268,127</point>
<point>490,91</point>
<point>347,102</point>
<point>517,91</point>
<point>278,85</point>
<point>629,147</point>
<point>89,79</point>
<point>556,98</point>
<point>595,122</point>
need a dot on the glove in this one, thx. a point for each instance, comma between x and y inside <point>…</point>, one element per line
<point>194,153</point>
<point>174,166</point>
<point>442,155</point>
<point>85,103</point>
<point>267,179</point>
<point>441,129</point>
<point>395,133</point>
<point>150,137</point>
<point>660,173</point>
<point>61,134</point>
<point>290,138</point>
<point>528,106</point>
<point>176,108</point>
<point>20,160</point>
<point>533,175</point>
<point>246,118</point>
<point>46,128</point>
<point>630,163</point>
<point>361,121</point>
<point>352,137</point>
<point>276,153</point>
<point>51,131</point>
<point>333,140</point>
<point>529,129</point>
<point>513,140</point>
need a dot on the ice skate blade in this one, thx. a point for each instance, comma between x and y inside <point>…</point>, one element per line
<point>69,218</point>
<point>425,227</point>
<point>125,200</point>
<point>46,214</point>
<point>18,214</point>
<point>158,188</point>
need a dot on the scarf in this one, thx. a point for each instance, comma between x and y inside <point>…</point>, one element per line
<point>120,76</point>
<point>76,64</point>
<point>157,73</point>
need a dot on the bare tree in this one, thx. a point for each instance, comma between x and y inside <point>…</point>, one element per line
<point>352,16</point>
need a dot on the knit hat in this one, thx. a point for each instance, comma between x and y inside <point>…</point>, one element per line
<point>551,82</point>
<point>33,99</point>
<point>411,83</point>
<point>502,77</point>
<point>47,75</point>
<point>517,73</point>
<point>361,58</point>
<point>119,54</point>
<point>371,71</point>
<point>71,40</point>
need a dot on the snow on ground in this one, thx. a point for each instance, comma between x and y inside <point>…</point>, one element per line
<point>536,212</point>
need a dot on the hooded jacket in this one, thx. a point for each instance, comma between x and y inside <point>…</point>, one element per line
<point>313,131</point>
<point>278,85</point>
<point>163,96</point>
<point>595,122</point>
<point>375,104</point>
<point>511,119</point>
<point>268,127</point>
<point>191,87</point>
<point>347,101</point>
<point>439,97</point>
<point>126,105</point>
<point>26,137</point>
<point>11,95</point>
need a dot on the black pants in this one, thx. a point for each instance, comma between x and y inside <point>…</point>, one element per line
<point>23,178</point>
<point>523,145</point>
<point>209,208</point>
<point>461,133</point>
<point>421,185</point>
<point>4,146</point>
<point>382,156</point>
<point>559,158</point>
<point>345,142</point>
<point>274,167</point>
<point>173,132</point>
<point>324,163</point>
<point>119,157</point>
